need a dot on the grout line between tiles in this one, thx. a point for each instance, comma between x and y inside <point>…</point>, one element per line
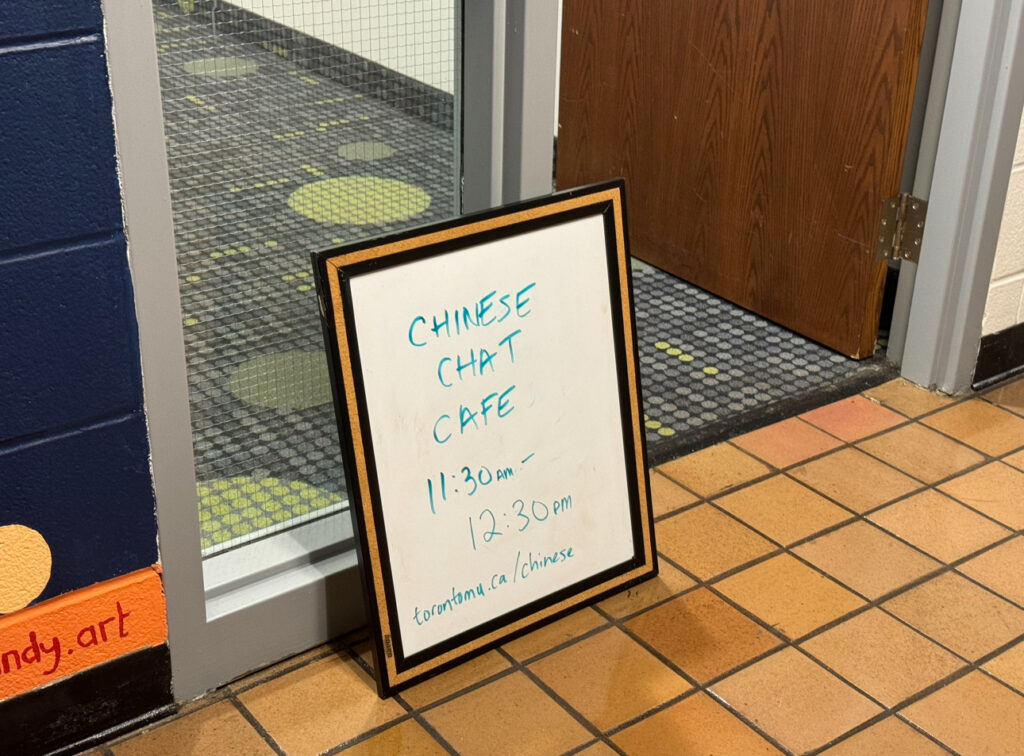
<point>865,725</point>
<point>366,735</point>
<point>698,687</point>
<point>256,724</point>
<point>433,732</point>
<point>684,508</point>
<point>925,733</point>
<point>462,691</point>
<point>622,726</point>
<point>328,649</point>
<point>178,713</point>
<point>747,721</point>
<point>592,728</point>
<point>996,678</point>
<point>673,481</point>
<point>660,602</point>
<point>581,748</point>
<point>562,703</point>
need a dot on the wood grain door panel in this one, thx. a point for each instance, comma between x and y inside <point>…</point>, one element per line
<point>758,139</point>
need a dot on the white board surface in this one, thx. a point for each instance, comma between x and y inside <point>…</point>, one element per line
<point>487,382</point>
<point>532,459</point>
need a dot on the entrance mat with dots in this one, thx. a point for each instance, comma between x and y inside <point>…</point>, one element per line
<point>710,370</point>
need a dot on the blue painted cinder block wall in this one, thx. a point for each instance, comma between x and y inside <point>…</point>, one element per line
<point>74,459</point>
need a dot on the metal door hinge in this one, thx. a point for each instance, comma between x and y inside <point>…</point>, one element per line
<point>901,229</point>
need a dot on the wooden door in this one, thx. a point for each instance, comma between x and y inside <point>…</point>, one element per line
<point>758,139</point>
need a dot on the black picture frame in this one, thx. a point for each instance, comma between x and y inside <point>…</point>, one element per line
<point>336,269</point>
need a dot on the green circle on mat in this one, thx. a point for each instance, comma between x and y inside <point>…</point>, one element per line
<point>366,151</point>
<point>220,68</point>
<point>359,200</point>
<point>283,381</point>
<point>256,504</point>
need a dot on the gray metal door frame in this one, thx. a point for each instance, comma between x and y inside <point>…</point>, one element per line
<point>308,602</point>
<point>975,108</point>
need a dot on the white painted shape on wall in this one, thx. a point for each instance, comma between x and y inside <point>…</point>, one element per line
<point>1005,304</point>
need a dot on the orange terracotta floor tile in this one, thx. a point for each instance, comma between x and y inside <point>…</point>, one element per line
<point>787,443</point>
<point>740,645</point>
<point>669,582</point>
<point>882,657</point>
<point>981,425</point>
<point>219,728</point>
<point>707,542</point>
<point>599,748</point>
<point>667,495</point>
<point>996,490</point>
<point>906,398</point>
<point>974,715</point>
<point>854,418</point>
<point>289,664</point>
<point>921,452</point>
<point>346,707</point>
<point>938,525</point>
<point>960,615</point>
<point>714,470</point>
<point>890,736</point>
<point>782,509</point>
<point>405,739</point>
<point>866,559</point>
<point>856,480</point>
<point>627,682</point>
<point>559,632</point>
<point>1015,460</point>
<point>789,596</point>
<point>795,701</point>
<point>513,714</point>
<point>1000,568</point>
<point>1009,667</point>
<point>702,634</point>
<point>1009,397</point>
<point>696,725</point>
<point>445,684</point>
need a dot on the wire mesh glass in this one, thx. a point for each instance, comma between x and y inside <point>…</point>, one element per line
<point>291,126</point>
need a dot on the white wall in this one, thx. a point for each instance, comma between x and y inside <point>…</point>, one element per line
<point>413,37</point>
<point>1005,304</point>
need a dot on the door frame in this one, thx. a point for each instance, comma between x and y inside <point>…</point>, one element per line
<point>320,599</point>
<point>941,301</point>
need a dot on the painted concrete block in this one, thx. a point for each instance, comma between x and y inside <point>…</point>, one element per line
<point>1010,248</point>
<point>69,352</point>
<point>80,630</point>
<point>1018,155</point>
<point>88,494</point>
<point>57,161</point>
<point>1001,308</point>
<point>29,19</point>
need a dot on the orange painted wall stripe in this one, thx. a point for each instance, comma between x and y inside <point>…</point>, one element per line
<point>81,629</point>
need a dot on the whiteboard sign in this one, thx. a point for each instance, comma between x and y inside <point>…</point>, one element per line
<point>486,385</point>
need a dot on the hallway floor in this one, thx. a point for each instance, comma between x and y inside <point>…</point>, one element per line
<point>848,581</point>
